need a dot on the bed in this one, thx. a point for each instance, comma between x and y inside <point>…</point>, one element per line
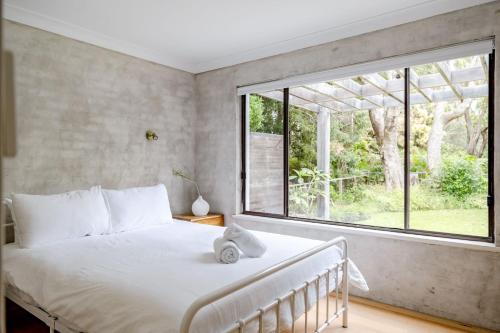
<point>107,284</point>
<point>115,261</point>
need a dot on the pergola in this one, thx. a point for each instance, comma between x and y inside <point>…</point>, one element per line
<point>443,82</point>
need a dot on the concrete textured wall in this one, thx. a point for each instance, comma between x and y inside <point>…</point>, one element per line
<point>450,282</point>
<point>82,114</point>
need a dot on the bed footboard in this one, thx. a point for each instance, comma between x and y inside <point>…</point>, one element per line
<point>258,314</point>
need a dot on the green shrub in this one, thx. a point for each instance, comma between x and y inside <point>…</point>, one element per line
<point>305,190</point>
<point>374,199</point>
<point>419,162</point>
<point>461,177</point>
<point>353,194</point>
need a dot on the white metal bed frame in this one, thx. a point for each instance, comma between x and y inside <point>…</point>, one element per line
<point>59,324</point>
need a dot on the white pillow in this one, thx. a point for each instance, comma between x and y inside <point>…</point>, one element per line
<point>42,219</point>
<point>138,207</point>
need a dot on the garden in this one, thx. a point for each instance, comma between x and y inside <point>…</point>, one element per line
<point>452,200</point>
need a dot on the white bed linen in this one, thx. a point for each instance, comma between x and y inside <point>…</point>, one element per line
<point>144,280</point>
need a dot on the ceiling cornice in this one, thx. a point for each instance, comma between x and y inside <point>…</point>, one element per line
<point>66,29</point>
<point>389,19</point>
<point>386,20</point>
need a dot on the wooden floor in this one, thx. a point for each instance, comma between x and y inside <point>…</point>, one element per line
<point>368,318</point>
<point>363,318</point>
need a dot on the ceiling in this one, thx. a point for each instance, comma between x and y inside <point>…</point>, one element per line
<point>198,35</point>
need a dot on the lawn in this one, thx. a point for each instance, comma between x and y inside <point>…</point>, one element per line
<point>458,221</point>
<point>431,210</point>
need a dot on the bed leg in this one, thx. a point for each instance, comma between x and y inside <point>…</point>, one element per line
<point>345,294</point>
<point>345,322</point>
<point>52,326</point>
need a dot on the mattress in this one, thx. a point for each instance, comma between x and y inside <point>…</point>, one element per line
<point>144,280</point>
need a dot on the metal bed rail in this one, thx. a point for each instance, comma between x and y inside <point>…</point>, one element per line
<point>54,323</point>
<point>291,295</point>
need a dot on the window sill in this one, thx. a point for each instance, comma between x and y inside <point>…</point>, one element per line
<point>466,244</point>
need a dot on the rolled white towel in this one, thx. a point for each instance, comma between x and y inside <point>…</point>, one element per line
<point>226,251</point>
<point>248,243</point>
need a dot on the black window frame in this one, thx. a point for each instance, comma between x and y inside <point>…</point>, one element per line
<point>406,229</point>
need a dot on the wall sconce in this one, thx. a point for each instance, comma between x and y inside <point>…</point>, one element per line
<point>150,135</point>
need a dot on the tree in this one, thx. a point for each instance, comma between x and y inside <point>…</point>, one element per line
<point>477,133</point>
<point>440,120</point>
<point>303,132</point>
<point>385,127</point>
<point>266,115</point>
<point>256,114</point>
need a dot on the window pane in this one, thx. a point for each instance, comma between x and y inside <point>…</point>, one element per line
<point>265,152</point>
<point>449,146</point>
<point>346,150</point>
<point>303,190</point>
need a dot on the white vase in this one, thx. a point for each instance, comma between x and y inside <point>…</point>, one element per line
<point>200,207</point>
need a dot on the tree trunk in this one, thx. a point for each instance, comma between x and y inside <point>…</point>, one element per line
<point>441,119</point>
<point>385,127</point>
<point>484,135</point>
<point>436,139</point>
<point>393,168</point>
<point>477,135</point>
<point>377,120</point>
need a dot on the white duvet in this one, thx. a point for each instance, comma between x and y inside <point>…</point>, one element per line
<point>144,280</point>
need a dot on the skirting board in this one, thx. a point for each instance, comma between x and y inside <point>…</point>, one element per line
<point>419,315</point>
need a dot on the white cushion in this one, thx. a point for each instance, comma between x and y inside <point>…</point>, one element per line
<point>138,207</point>
<point>43,219</point>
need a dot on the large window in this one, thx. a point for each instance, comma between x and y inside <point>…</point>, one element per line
<point>406,149</point>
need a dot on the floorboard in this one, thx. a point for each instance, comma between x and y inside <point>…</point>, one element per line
<point>363,318</point>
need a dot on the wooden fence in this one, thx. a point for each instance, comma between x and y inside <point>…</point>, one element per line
<point>266,173</point>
